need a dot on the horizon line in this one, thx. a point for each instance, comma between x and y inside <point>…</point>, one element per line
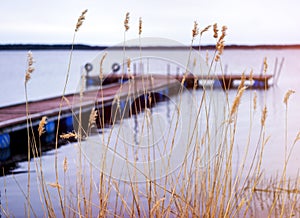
<point>81,46</point>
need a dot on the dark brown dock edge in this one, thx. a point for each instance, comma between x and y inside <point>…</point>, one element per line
<point>226,81</point>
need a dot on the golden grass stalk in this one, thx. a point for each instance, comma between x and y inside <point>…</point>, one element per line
<point>204,30</point>
<point>224,29</point>
<point>65,164</point>
<point>30,67</point>
<point>236,101</point>
<point>78,25</point>
<point>101,75</point>
<point>265,65</point>
<point>215,28</point>
<point>140,26</point>
<point>297,138</point>
<point>93,117</point>
<point>41,128</point>
<point>128,68</point>
<point>264,115</point>
<point>55,185</point>
<point>220,43</point>
<point>255,100</point>
<point>220,46</point>
<point>80,20</point>
<point>242,84</point>
<point>195,30</point>
<point>251,77</point>
<point>287,96</point>
<point>69,135</point>
<point>28,73</point>
<point>126,22</point>
<point>207,57</point>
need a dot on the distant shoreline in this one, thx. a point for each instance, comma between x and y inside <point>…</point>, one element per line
<point>16,47</point>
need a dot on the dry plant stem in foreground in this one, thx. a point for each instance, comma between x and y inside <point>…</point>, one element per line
<point>29,71</point>
<point>78,25</point>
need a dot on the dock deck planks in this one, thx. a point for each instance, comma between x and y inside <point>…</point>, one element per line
<point>16,114</point>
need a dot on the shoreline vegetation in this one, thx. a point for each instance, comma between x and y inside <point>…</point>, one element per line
<point>4,47</point>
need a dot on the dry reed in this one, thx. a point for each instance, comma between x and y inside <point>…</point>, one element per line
<point>195,30</point>
<point>69,135</point>
<point>93,117</point>
<point>236,101</point>
<point>126,22</point>
<point>101,75</point>
<point>207,58</point>
<point>297,138</point>
<point>220,42</point>
<point>30,67</point>
<point>265,68</point>
<point>264,115</point>
<point>287,96</point>
<point>215,29</point>
<point>41,128</point>
<point>140,26</point>
<point>65,164</point>
<point>55,185</point>
<point>205,30</point>
<point>80,20</point>
<point>255,101</point>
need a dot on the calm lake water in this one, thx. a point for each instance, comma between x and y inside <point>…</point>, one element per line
<point>48,81</point>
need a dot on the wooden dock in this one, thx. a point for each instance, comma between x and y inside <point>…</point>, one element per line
<point>15,115</point>
<point>226,81</point>
<point>12,117</point>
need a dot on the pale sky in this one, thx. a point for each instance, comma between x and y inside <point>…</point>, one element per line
<point>248,22</point>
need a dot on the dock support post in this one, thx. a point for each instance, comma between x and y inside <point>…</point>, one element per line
<point>226,83</point>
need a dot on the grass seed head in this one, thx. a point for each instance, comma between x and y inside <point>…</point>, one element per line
<point>265,65</point>
<point>207,57</point>
<point>264,115</point>
<point>55,185</point>
<point>251,76</point>
<point>224,28</point>
<point>205,30</point>
<point>30,67</point>
<point>101,76</point>
<point>140,26</point>
<point>93,117</point>
<point>237,101</point>
<point>195,30</point>
<point>126,22</point>
<point>255,100</point>
<point>65,164</point>
<point>243,79</point>
<point>80,20</point>
<point>287,96</point>
<point>69,135</point>
<point>41,128</point>
<point>215,28</point>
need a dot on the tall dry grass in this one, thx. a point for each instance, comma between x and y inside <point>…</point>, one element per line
<point>209,183</point>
